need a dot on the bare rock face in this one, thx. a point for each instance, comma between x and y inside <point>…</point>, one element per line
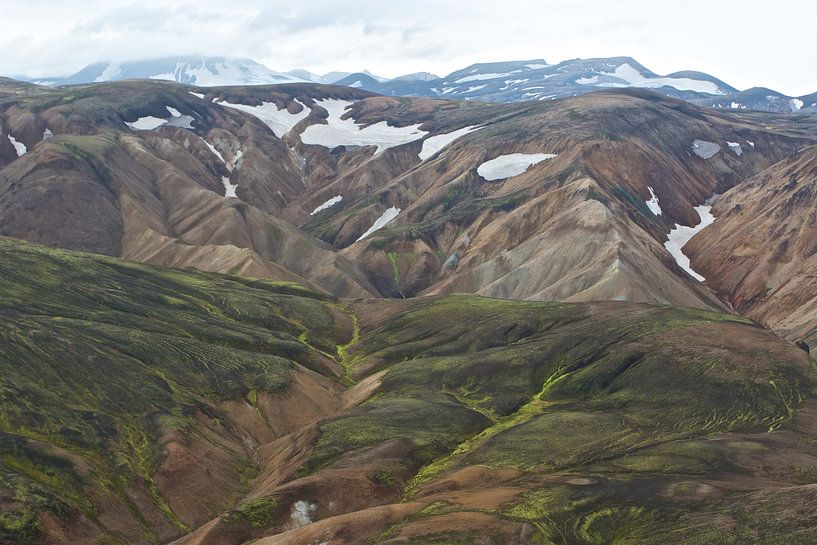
<point>760,253</point>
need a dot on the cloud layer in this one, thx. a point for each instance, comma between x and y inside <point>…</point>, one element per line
<point>745,43</point>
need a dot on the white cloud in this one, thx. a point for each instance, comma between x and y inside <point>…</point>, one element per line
<point>726,38</point>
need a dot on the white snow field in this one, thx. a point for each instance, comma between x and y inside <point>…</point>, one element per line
<point>508,166</point>
<point>147,123</point>
<point>387,217</point>
<point>652,204</point>
<point>433,144</point>
<point>735,147</point>
<point>682,234</point>
<point>19,147</point>
<point>215,151</point>
<point>328,204</point>
<point>704,149</point>
<point>634,78</point>
<point>346,132</point>
<point>280,121</point>
<point>229,189</point>
<point>199,95</point>
<point>179,119</point>
<point>483,77</point>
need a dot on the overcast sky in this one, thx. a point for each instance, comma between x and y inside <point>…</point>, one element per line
<point>745,43</point>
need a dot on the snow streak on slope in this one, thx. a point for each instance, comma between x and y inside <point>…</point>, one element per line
<point>682,234</point>
<point>652,204</point>
<point>229,189</point>
<point>280,121</point>
<point>328,204</point>
<point>19,147</point>
<point>215,151</point>
<point>704,149</point>
<point>433,144</point>
<point>735,147</point>
<point>345,132</point>
<point>381,222</point>
<point>508,166</point>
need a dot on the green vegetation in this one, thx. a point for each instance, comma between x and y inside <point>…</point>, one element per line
<point>99,356</point>
<point>590,403</point>
<point>259,513</point>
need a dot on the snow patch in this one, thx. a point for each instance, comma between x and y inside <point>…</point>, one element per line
<point>652,204</point>
<point>19,147</point>
<point>328,204</point>
<point>47,134</point>
<point>173,111</point>
<point>346,132</point>
<point>232,165</point>
<point>682,234</point>
<point>280,121</point>
<point>386,218</point>
<point>433,144</point>
<point>475,88</point>
<point>110,72</point>
<point>633,77</point>
<point>215,151</point>
<point>704,149</point>
<point>199,95</point>
<point>735,147</point>
<point>536,66</point>
<point>357,85</point>
<point>482,77</point>
<point>302,512</point>
<point>796,104</point>
<point>147,123</point>
<point>508,166</point>
<point>229,189</point>
<point>588,81</point>
<point>750,143</point>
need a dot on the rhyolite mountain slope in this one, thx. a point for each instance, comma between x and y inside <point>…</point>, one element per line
<point>148,170</point>
<point>233,411</point>
<point>761,254</point>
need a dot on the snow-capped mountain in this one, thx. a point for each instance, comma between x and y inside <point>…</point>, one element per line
<point>200,71</point>
<point>537,80</point>
<point>759,98</point>
<point>533,80</point>
<point>511,81</point>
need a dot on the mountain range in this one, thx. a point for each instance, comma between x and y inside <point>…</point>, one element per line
<point>513,81</point>
<point>315,314</point>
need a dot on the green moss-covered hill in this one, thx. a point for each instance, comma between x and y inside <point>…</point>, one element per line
<point>108,367</point>
<point>141,405</point>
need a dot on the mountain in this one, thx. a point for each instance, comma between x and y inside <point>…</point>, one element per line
<point>144,405</point>
<point>511,81</point>
<point>760,255</point>
<point>417,76</point>
<point>531,80</point>
<point>201,71</point>
<point>361,195</point>
<point>757,98</point>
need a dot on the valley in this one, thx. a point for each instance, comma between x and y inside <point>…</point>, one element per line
<point>313,314</point>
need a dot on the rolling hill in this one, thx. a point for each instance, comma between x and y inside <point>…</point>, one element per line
<point>143,404</point>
